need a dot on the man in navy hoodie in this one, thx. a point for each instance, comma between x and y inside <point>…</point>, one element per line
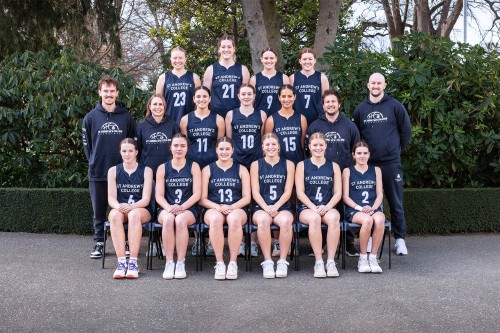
<point>103,129</point>
<point>341,135</point>
<point>385,126</point>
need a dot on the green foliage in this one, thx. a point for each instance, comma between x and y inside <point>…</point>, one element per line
<point>42,103</point>
<point>451,93</point>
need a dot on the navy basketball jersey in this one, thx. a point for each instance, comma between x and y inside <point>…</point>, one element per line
<point>225,85</point>
<point>318,182</point>
<point>178,184</point>
<point>224,187</point>
<point>289,132</point>
<point>266,95</point>
<point>202,136</point>
<point>272,181</point>
<point>247,140</point>
<point>362,188</point>
<point>308,95</point>
<point>129,187</point>
<point>178,92</point>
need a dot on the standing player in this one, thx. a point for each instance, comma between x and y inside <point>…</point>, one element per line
<point>384,124</point>
<point>103,129</point>
<point>267,83</point>
<point>177,86</point>
<point>309,86</point>
<point>224,78</point>
<point>341,135</point>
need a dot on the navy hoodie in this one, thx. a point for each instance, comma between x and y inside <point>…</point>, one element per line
<point>102,132</point>
<point>386,128</point>
<point>341,136</point>
<point>154,141</point>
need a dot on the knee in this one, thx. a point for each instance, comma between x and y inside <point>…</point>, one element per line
<point>180,222</point>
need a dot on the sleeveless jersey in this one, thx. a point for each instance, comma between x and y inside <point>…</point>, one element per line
<point>318,182</point>
<point>289,132</point>
<point>202,136</point>
<point>308,95</point>
<point>129,187</point>
<point>178,92</point>
<point>224,187</point>
<point>266,95</point>
<point>362,188</point>
<point>272,181</point>
<point>225,85</point>
<point>178,184</point>
<point>247,137</point>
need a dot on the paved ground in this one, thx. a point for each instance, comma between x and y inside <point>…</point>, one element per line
<point>446,284</point>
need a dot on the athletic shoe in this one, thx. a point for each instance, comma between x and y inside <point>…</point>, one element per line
<point>220,271</point>
<point>331,269</point>
<point>193,250</point>
<point>121,269</point>
<point>168,273</point>
<point>363,266</point>
<point>155,250</point>
<point>319,270</point>
<point>209,250</point>
<point>374,266</point>
<point>369,245</point>
<point>132,271</point>
<point>351,250</point>
<point>400,246</point>
<point>281,268</point>
<point>180,270</point>
<point>241,251</point>
<point>254,250</point>
<point>232,271</point>
<point>127,250</point>
<point>311,254</point>
<point>276,249</point>
<point>98,249</point>
<point>268,269</point>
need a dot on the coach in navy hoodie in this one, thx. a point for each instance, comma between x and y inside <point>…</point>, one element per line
<point>103,129</point>
<point>385,126</point>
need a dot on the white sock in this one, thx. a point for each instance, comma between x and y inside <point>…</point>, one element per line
<point>362,256</point>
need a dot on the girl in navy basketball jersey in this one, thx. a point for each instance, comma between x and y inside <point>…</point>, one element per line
<point>245,126</point>
<point>154,134</point>
<point>177,86</point>
<point>267,83</point>
<point>130,185</point>
<point>272,182</point>
<point>309,86</point>
<point>224,77</point>
<point>225,192</point>
<point>202,127</point>
<point>178,189</point>
<point>363,195</point>
<point>289,126</point>
<point>318,183</point>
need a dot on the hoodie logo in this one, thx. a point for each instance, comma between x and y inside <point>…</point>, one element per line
<point>110,128</point>
<point>398,178</point>
<point>158,137</point>
<point>333,137</point>
<point>375,117</point>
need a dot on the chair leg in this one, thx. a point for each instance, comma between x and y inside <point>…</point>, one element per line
<point>390,250</point>
<point>344,245</point>
<point>104,246</point>
<point>297,266</point>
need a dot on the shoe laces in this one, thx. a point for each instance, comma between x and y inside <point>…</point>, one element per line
<point>281,264</point>
<point>121,266</point>
<point>132,266</point>
<point>330,263</point>
<point>232,267</point>
<point>219,267</point>
<point>319,265</point>
<point>267,264</point>
<point>373,261</point>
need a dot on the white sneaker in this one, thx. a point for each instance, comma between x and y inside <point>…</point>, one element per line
<point>168,273</point>
<point>121,270</point>
<point>254,249</point>
<point>276,249</point>
<point>400,246</point>
<point>268,269</point>
<point>180,270</point>
<point>319,269</point>
<point>232,271</point>
<point>282,268</point>
<point>374,266</point>
<point>363,266</point>
<point>220,271</point>
<point>369,245</point>
<point>331,269</point>
<point>241,251</point>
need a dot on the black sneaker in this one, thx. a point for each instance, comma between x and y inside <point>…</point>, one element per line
<point>351,250</point>
<point>127,250</point>
<point>97,253</point>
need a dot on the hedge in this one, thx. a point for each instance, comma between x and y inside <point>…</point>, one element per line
<point>428,211</point>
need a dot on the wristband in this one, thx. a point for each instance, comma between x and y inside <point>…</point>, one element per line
<point>358,207</point>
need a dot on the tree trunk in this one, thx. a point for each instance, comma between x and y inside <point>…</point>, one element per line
<point>423,12</point>
<point>326,28</point>
<point>447,22</point>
